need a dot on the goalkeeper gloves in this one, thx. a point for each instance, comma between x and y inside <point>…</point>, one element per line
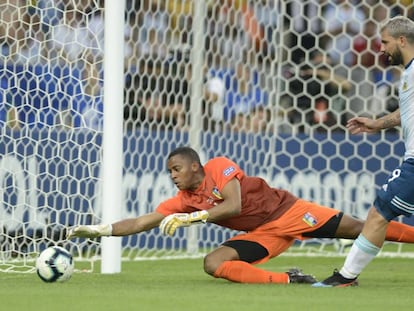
<point>170,223</point>
<point>91,231</point>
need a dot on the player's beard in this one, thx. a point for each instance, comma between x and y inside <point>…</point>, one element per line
<point>396,58</point>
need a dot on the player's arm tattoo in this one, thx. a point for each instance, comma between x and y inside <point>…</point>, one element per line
<point>392,120</point>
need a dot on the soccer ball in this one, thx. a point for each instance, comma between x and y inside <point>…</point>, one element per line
<point>54,264</point>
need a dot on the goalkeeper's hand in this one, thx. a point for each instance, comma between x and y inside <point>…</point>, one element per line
<point>170,223</point>
<point>90,231</point>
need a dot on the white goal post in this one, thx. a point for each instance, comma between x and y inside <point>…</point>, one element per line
<point>262,82</point>
<point>112,142</point>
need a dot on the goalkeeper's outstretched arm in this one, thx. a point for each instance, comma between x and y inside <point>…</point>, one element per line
<point>230,206</point>
<point>120,228</point>
<point>136,225</point>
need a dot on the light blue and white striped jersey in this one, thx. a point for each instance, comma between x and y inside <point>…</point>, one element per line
<point>406,95</point>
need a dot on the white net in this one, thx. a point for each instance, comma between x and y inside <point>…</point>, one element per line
<point>267,83</point>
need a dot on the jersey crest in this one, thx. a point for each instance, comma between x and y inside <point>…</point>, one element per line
<point>309,219</point>
<point>404,86</point>
<point>217,193</point>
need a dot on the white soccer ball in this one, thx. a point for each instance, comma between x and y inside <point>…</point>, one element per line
<point>55,264</point>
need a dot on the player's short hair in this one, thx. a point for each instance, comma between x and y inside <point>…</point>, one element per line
<point>400,26</point>
<point>187,152</point>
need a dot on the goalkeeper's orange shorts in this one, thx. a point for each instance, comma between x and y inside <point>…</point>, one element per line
<point>278,235</point>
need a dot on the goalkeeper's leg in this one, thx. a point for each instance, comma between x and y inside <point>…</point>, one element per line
<point>399,232</point>
<point>243,272</point>
<point>348,227</point>
<point>233,262</point>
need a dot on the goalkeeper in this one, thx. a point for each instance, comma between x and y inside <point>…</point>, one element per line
<point>271,219</point>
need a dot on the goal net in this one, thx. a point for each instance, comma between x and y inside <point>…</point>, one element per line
<point>269,84</point>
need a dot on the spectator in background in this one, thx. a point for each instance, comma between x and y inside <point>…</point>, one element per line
<point>213,31</point>
<point>17,48</point>
<point>234,41</point>
<point>10,27</point>
<point>51,13</point>
<point>140,91</point>
<point>158,94</point>
<point>321,119</point>
<point>305,21</point>
<point>8,113</point>
<point>240,123</point>
<point>316,78</point>
<point>88,105</point>
<point>366,69</point>
<point>71,39</point>
<point>152,16</point>
<point>367,45</point>
<point>30,47</point>
<point>148,30</point>
<point>244,93</point>
<point>22,39</point>
<point>175,88</point>
<point>266,13</point>
<point>96,26</point>
<point>180,21</point>
<point>260,120</point>
<point>240,32</point>
<point>252,27</point>
<point>154,48</point>
<point>344,21</point>
<point>213,104</point>
<point>267,16</point>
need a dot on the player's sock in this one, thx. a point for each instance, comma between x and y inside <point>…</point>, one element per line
<point>360,255</point>
<point>399,232</point>
<point>243,272</point>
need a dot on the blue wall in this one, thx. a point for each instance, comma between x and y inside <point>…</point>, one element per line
<point>50,178</point>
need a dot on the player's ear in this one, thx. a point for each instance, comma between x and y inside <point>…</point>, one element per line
<point>402,40</point>
<point>195,166</point>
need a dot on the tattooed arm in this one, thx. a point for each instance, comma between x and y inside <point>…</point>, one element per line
<point>361,124</point>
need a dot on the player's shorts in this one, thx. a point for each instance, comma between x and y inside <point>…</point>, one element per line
<point>278,235</point>
<point>396,197</point>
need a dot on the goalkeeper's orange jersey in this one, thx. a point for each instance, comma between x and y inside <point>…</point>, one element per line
<point>260,203</point>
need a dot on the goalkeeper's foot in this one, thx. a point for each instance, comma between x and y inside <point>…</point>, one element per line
<point>297,276</point>
<point>337,280</point>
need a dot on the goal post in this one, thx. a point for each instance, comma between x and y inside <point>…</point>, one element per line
<point>237,78</point>
<point>112,163</point>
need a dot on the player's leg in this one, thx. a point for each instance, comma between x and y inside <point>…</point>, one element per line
<point>394,199</point>
<point>362,252</point>
<point>366,246</point>
<point>234,261</point>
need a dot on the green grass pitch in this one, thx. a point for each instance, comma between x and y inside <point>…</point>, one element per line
<point>386,284</point>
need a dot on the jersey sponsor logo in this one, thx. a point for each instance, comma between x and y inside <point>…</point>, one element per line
<point>309,219</point>
<point>228,171</point>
